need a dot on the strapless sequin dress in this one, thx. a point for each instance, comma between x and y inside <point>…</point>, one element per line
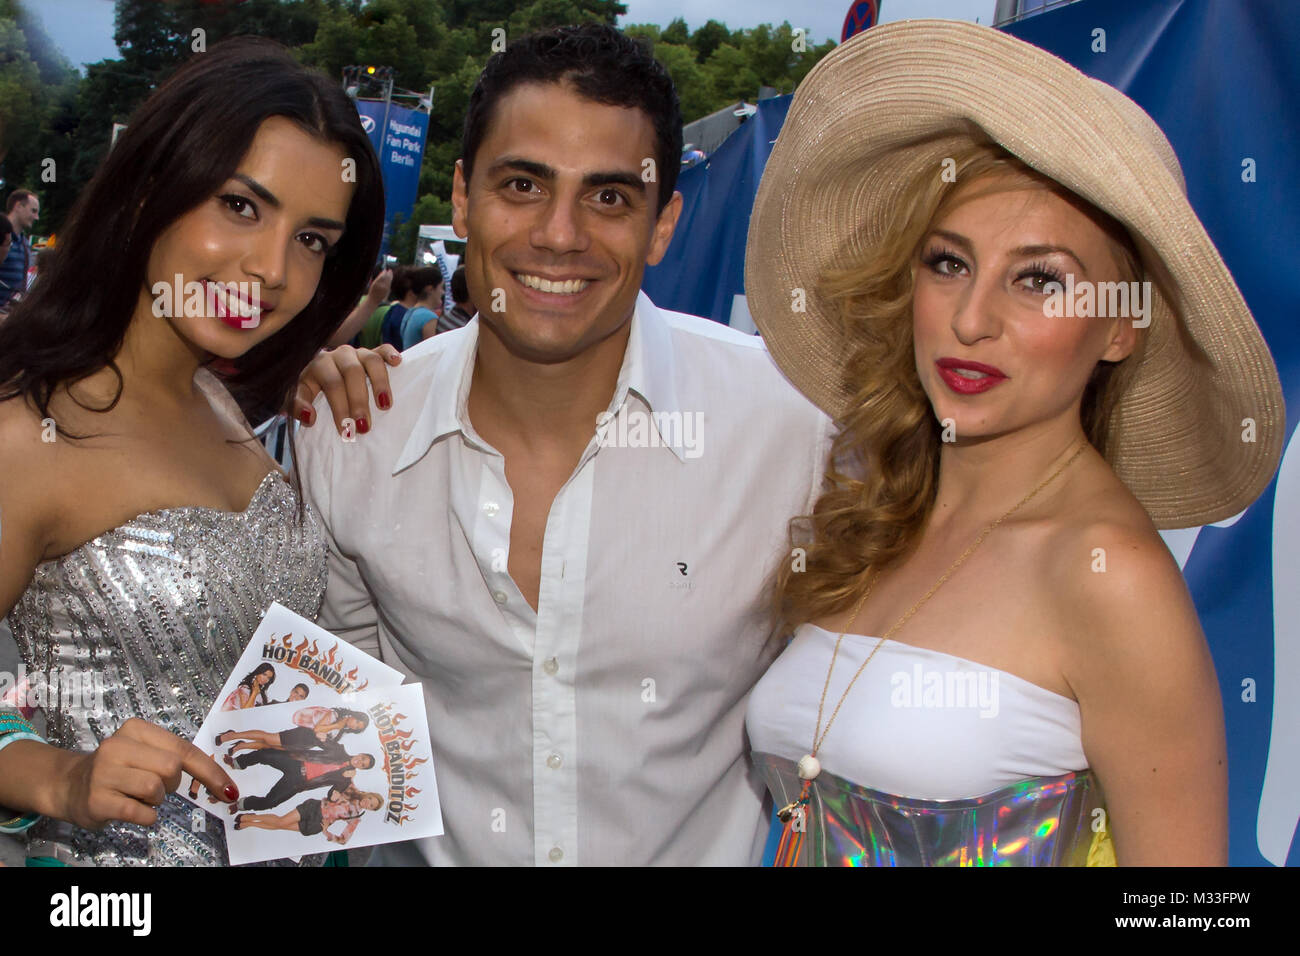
<point>156,613</point>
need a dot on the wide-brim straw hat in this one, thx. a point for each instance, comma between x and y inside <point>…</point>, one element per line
<point>889,105</point>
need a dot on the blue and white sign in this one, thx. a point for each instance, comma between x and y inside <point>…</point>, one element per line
<point>400,151</point>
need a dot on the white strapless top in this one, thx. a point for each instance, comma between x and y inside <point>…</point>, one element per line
<point>917,723</point>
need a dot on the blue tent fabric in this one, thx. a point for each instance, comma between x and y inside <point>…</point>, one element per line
<point>705,263</point>
<point>1220,77</point>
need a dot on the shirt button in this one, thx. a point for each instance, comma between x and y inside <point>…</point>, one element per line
<point>551,665</point>
<point>499,597</point>
<point>490,508</point>
<point>554,761</point>
<point>556,854</point>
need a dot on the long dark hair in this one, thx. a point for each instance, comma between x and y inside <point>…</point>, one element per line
<point>342,713</point>
<point>260,691</point>
<point>179,148</point>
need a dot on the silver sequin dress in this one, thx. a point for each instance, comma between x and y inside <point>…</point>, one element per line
<point>157,612</point>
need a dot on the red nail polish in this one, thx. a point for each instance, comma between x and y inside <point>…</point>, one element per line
<point>231,792</point>
<point>363,426</point>
<point>384,400</point>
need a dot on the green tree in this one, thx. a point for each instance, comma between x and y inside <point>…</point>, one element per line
<point>438,43</point>
<point>694,85</point>
<point>429,210</point>
<point>34,77</point>
<point>733,77</point>
<point>676,32</point>
<point>708,38</point>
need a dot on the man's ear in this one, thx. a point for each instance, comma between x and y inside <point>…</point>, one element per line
<point>460,200</point>
<point>663,229</point>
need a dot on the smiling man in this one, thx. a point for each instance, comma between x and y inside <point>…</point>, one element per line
<point>587,614</point>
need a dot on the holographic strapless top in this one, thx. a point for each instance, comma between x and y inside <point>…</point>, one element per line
<point>148,620</point>
<point>1041,821</point>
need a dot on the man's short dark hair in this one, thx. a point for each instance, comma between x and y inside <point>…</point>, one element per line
<point>602,65</point>
<point>459,287</point>
<point>370,758</point>
<point>17,196</point>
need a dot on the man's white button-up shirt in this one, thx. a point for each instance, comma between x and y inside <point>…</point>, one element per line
<point>607,726</point>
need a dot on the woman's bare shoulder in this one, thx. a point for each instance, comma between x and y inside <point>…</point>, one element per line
<point>1120,593</point>
<point>29,494</point>
<point>26,442</point>
<point>1096,522</point>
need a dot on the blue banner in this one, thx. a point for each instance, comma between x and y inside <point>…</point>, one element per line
<point>1220,77</point>
<point>704,268</point>
<point>401,153</point>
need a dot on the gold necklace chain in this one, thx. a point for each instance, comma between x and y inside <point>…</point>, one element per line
<point>819,735</point>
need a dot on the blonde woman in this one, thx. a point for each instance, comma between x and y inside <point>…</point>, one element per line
<point>995,659</point>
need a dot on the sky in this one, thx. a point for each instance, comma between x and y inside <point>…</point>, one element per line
<point>83,29</point>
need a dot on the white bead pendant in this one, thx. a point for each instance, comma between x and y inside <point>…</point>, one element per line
<point>809,767</point>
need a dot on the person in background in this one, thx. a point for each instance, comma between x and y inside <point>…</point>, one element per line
<point>419,282</point>
<point>371,337</point>
<point>439,252</point>
<point>44,259</point>
<point>381,281</point>
<point>422,321</point>
<point>22,210</point>
<point>6,243</point>
<point>463,310</point>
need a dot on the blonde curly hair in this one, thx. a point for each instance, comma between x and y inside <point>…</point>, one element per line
<point>881,478</point>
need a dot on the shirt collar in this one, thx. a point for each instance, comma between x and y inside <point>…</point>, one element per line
<point>648,370</point>
<point>648,365</point>
<point>445,409</point>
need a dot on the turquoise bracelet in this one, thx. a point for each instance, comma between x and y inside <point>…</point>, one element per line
<point>12,723</point>
<point>11,731</point>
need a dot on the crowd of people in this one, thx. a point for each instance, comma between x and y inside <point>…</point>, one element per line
<point>629,654</point>
<point>416,310</point>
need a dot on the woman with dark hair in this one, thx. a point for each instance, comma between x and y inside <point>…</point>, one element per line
<point>251,691</point>
<point>225,236</point>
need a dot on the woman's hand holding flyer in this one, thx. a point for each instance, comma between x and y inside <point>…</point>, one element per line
<point>333,748</point>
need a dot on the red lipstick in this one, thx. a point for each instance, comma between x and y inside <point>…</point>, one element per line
<point>240,322</point>
<point>986,378</point>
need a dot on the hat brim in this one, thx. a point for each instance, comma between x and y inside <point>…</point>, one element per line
<point>891,104</point>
